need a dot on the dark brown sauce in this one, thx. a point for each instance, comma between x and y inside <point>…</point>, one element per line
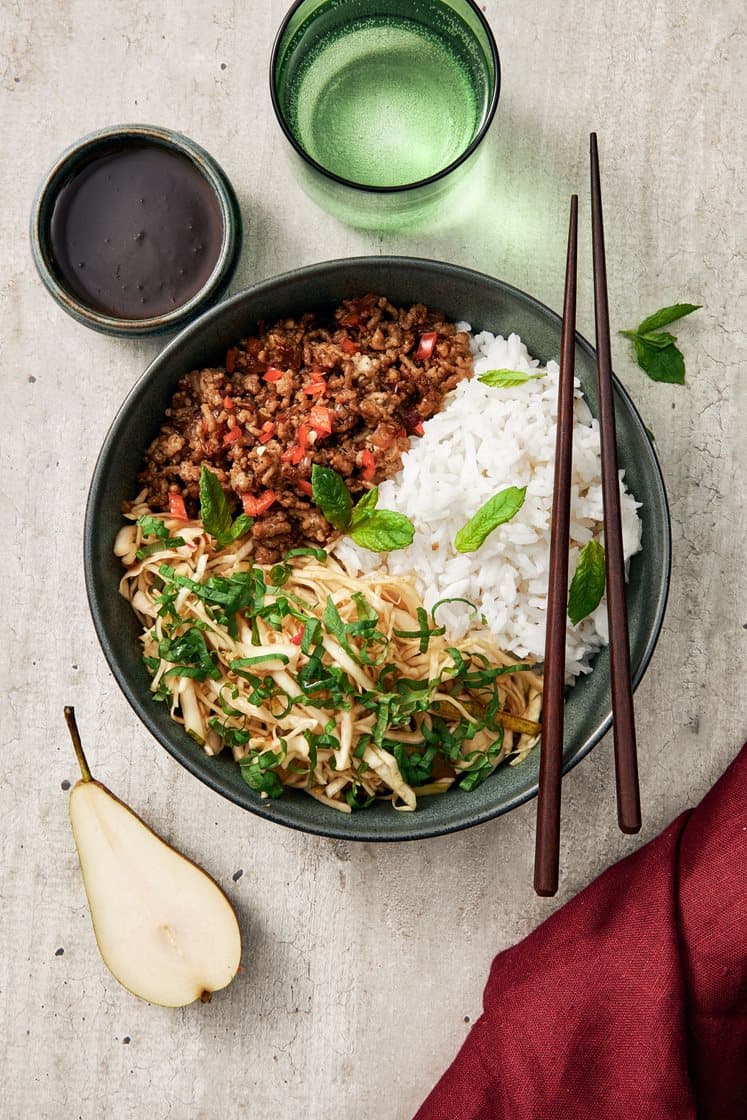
<point>137,232</point>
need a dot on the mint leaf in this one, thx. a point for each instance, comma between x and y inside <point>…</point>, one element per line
<point>667,315</point>
<point>241,526</point>
<point>507,378</point>
<point>216,516</point>
<point>496,511</point>
<point>658,339</point>
<point>655,349</point>
<point>661,364</point>
<point>587,585</point>
<point>383,530</point>
<point>329,492</point>
<point>366,505</point>
<point>215,513</point>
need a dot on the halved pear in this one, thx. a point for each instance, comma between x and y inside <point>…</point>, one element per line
<point>165,929</point>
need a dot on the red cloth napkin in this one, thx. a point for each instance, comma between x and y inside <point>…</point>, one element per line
<point>630,1002</point>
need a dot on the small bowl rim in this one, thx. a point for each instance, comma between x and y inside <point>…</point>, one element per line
<point>401,188</point>
<point>83,149</point>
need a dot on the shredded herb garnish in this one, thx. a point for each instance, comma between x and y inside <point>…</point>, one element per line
<point>420,723</point>
<point>424,634</point>
<point>154,527</point>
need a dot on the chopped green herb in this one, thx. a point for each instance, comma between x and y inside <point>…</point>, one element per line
<point>496,511</point>
<point>245,662</point>
<point>318,553</point>
<point>189,654</point>
<point>154,527</point>
<point>423,633</point>
<point>453,599</point>
<point>356,796</point>
<point>232,736</point>
<point>587,585</point>
<point>656,350</point>
<point>256,770</point>
<point>507,378</point>
<point>481,765</point>
<point>406,720</point>
<point>337,628</point>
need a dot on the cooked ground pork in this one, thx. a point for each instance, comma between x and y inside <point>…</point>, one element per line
<point>346,394</point>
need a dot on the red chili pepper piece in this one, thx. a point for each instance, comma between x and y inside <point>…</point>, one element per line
<point>304,486</point>
<point>298,638</point>
<point>419,429</point>
<point>267,431</point>
<point>315,388</point>
<point>350,320</point>
<point>320,419</point>
<point>367,463</point>
<point>255,507</point>
<point>296,451</point>
<point>231,436</point>
<point>177,507</point>
<point>425,346</point>
<point>349,346</point>
<point>229,404</point>
<point>272,373</point>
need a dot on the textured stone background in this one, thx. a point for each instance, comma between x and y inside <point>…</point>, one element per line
<point>364,965</point>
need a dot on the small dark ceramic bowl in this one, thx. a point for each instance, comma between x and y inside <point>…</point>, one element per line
<point>487,304</point>
<point>71,162</point>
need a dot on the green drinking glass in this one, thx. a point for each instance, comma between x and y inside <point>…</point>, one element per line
<point>385,103</point>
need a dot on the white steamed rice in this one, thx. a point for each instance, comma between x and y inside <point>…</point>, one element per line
<point>484,440</point>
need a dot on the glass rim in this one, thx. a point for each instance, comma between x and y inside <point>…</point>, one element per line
<point>403,187</point>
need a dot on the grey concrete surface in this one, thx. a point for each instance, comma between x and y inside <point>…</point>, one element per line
<point>364,965</point>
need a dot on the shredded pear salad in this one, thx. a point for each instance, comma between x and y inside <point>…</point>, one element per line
<point>341,686</point>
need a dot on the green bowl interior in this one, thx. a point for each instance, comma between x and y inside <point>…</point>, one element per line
<point>486,304</point>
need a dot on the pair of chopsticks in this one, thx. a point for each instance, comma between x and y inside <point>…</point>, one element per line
<point>551,752</point>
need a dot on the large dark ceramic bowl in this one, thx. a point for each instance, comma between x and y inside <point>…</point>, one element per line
<point>485,303</point>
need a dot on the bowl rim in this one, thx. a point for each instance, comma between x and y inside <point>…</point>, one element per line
<point>196,763</point>
<point>76,155</point>
<point>400,188</point>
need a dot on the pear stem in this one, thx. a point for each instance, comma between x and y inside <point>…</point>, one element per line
<point>72,727</point>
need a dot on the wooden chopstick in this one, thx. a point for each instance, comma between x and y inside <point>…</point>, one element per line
<point>547,843</point>
<point>623,719</point>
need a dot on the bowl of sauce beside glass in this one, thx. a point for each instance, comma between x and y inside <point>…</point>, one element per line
<point>135,230</point>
